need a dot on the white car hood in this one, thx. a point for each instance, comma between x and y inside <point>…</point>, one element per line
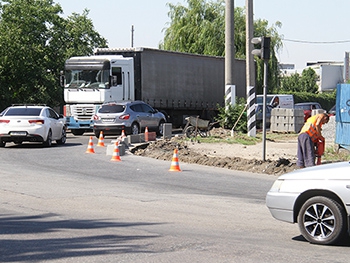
<point>332,171</point>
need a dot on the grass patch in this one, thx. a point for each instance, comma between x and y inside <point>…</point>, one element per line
<point>244,139</point>
<point>273,136</point>
<point>332,155</point>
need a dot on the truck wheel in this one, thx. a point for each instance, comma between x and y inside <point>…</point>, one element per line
<point>322,220</point>
<point>135,128</point>
<point>77,132</point>
<point>2,144</point>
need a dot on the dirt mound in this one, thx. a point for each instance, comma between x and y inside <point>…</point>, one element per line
<point>280,152</point>
<point>164,149</point>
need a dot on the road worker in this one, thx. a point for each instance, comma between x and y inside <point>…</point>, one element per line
<point>308,138</point>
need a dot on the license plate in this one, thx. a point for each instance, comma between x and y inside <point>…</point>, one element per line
<point>18,133</point>
<point>108,120</point>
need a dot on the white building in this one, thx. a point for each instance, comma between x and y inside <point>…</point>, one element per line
<point>329,73</point>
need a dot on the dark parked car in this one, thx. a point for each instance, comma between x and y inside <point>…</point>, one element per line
<point>131,116</point>
<point>332,111</point>
<point>308,107</point>
<point>259,115</point>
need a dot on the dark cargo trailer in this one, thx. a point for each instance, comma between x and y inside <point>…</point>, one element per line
<point>180,84</point>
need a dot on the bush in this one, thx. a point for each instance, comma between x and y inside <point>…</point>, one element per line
<point>234,116</point>
<point>326,99</point>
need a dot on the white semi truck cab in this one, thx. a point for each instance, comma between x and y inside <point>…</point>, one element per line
<point>90,81</point>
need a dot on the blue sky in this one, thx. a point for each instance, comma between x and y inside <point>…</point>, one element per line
<point>306,20</point>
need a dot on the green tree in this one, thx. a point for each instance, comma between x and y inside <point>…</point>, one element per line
<point>199,28</point>
<point>81,36</point>
<point>306,82</point>
<point>196,28</point>
<point>290,83</point>
<point>35,41</point>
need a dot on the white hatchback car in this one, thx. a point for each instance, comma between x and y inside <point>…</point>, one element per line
<point>31,124</point>
<point>317,198</point>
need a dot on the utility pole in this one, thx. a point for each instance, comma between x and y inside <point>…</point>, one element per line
<point>346,67</point>
<point>132,35</point>
<point>250,70</point>
<point>230,88</point>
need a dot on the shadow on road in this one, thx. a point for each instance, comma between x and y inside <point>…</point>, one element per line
<point>18,247</point>
<point>343,243</point>
<point>39,145</point>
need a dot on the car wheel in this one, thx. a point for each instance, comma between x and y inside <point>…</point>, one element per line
<point>63,137</point>
<point>48,141</point>
<point>135,128</point>
<point>2,144</point>
<point>322,220</point>
<point>77,132</point>
<point>160,130</point>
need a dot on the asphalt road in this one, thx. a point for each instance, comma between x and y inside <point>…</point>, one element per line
<point>60,204</point>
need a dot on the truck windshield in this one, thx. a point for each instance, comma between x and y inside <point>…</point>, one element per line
<point>94,79</point>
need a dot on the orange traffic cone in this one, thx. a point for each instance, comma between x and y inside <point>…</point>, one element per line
<point>175,162</point>
<point>116,156</point>
<point>101,141</point>
<point>146,134</point>
<point>123,134</point>
<point>90,148</point>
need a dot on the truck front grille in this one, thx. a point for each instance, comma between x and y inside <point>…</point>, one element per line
<point>83,113</point>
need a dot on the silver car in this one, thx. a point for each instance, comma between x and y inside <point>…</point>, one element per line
<point>316,198</point>
<point>28,123</point>
<point>132,117</point>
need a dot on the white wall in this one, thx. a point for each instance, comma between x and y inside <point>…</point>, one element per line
<point>330,76</point>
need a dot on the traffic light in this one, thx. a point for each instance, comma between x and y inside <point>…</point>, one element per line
<point>264,51</point>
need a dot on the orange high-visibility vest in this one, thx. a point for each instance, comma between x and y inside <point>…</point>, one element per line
<point>310,128</point>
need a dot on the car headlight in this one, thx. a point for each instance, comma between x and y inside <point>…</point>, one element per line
<point>276,185</point>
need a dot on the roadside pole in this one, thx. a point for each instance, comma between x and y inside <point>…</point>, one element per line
<point>230,88</point>
<point>264,54</point>
<point>264,108</point>
<point>250,71</point>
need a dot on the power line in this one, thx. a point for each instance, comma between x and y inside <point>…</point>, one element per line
<point>317,42</point>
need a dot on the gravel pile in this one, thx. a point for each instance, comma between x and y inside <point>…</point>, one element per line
<point>328,131</point>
